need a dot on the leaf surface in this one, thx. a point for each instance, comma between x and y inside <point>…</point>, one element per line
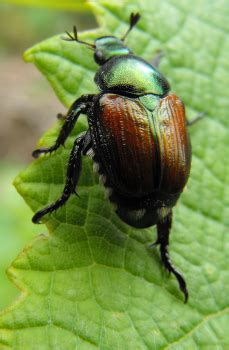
<point>79,5</point>
<point>91,283</point>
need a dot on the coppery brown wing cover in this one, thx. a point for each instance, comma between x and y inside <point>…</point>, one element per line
<point>143,151</point>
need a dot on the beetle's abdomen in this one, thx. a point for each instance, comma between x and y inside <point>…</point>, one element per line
<point>125,143</point>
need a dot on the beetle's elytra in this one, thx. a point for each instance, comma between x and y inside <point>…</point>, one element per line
<point>137,138</point>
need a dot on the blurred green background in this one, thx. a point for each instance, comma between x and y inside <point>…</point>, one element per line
<point>28,107</point>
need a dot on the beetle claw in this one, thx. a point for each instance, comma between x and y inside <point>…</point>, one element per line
<point>61,116</point>
<point>36,153</point>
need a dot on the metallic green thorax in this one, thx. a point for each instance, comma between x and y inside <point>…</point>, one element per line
<point>131,74</point>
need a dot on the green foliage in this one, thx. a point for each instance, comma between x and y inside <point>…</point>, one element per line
<point>92,283</point>
<point>79,5</point>
<point>16,229</point>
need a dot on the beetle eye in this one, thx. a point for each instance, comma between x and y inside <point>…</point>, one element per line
<point>98,56</point>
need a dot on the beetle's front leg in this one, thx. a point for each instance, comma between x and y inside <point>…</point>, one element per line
<point>61,116</point>
<point>72,177</point>
<point>163,229</point>
<point>80,106</point>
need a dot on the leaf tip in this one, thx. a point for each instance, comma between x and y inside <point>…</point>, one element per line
<point>28,56</point>
<point>17,182</point>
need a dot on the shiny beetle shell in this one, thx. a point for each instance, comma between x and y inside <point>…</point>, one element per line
<point>131,74</point>
<point>142,151</point>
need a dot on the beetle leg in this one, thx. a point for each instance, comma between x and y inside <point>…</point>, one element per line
<point>157,59</point>
<point>72,177</point>
<point>163,230</point>
<point>81,105</point>
<point>61,116</point>
<point>198,117</point>
<point>87,143</point>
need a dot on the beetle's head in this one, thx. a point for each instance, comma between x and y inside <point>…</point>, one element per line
<point>107,46</point>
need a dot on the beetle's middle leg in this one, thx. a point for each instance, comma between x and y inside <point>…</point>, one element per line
<point>81,105</point>
<point>73,172</point>
<point>163,229</point>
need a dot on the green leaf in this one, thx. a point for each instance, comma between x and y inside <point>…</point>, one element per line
<point>15,219</point>
<point>79,5</point>
<point>91,283</point>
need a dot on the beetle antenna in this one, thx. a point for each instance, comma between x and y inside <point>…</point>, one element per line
<point>74,37</point>
<point>134,18</point>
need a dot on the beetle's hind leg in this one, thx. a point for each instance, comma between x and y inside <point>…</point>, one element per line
<point>81,105</point>
<point>73,172</point>
<point>163,230</point>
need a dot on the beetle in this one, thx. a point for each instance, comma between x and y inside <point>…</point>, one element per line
<point>137,138</point>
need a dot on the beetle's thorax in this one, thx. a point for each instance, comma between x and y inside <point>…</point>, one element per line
<point>108,47</point>
<point>129,74</point>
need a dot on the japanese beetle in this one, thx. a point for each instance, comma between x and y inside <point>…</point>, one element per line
<point>137,138</point>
